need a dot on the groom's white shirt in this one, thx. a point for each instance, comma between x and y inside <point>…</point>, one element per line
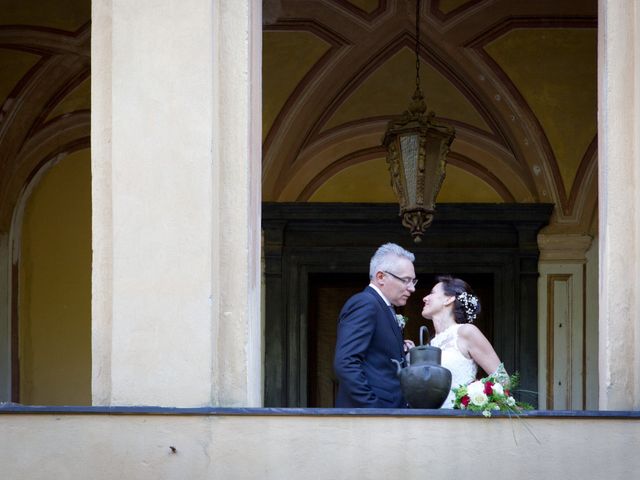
<point>381,294</point>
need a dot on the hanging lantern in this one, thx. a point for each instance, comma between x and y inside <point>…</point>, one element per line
<point>417,148</point>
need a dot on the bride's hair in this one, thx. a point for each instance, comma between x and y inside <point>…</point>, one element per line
<point>466,306</point>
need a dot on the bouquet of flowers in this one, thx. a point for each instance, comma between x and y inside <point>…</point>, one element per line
<point>488,395</point>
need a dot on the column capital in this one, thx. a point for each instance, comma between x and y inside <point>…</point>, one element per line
<point>564,248</point>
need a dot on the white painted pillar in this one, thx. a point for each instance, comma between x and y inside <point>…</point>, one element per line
<point>619,203</point>
<point>176,115</point>
<point>591,341</point>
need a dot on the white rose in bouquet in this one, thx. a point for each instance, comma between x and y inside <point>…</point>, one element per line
<point>497,389</point>
<point>475,387</point>
<point>476,393</point>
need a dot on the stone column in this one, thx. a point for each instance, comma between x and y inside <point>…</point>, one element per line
<point>565,321</point>
<point>176,100</point>
<point>619,203</point>
<point>5,327</point>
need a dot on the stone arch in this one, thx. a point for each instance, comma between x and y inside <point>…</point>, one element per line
<point>47,147</point>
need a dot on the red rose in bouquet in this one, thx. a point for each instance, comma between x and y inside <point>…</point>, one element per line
<point>488,387</point>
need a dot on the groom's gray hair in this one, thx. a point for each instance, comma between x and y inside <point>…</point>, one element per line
<point>386,257</point>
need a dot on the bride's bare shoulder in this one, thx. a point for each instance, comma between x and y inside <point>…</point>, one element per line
<point>469,331</point>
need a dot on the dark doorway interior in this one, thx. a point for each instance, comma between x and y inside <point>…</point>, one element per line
<point>317,255</point>
<point>327,294</point>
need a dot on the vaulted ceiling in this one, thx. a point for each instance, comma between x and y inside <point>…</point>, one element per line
<point>45,63</point>
<point>516,78</point>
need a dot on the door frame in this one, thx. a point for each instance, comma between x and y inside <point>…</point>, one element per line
<point>301,239</point>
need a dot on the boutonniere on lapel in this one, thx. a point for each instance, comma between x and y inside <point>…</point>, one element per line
<point>402,320</point>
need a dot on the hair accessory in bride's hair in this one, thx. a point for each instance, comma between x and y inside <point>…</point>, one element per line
<point>469,304</point>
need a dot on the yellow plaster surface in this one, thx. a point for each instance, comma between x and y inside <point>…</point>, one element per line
<point>555,71</point>
<point>15,65</point>
<point>286,59</point>
<point>369,182</point>
<point>78,99</point>
<point>365,5</point>
<point>365,182</point>
<point>388,91</point>
<point>462,186</point>
<point>61,14</point>
<point>55,287</point>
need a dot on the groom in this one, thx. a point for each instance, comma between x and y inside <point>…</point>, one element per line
<point>369,335</point>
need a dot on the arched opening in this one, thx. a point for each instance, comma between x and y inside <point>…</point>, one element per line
<point>51,287</point>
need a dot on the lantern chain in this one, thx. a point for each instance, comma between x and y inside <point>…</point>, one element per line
<point>417,44</point>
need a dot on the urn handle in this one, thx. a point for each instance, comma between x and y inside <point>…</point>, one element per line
<point>422,330</point>
<point>398,364</point>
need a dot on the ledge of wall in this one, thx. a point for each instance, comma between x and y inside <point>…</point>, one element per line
<point>17,409</point>
<point>151,443</point>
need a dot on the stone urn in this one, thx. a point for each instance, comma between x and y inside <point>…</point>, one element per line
<point>425,382</point>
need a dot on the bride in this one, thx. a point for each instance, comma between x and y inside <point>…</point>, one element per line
<point>453,307</point>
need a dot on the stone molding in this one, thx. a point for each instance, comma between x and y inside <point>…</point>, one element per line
<point>564,248</point>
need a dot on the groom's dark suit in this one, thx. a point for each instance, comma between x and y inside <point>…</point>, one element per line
<point>368,338</point>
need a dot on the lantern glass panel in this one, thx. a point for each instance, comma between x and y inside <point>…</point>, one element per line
<point>409,148</point>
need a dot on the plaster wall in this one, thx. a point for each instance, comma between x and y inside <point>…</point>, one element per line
<point>175,183</point>
<point>45,446</point>
<point>619,220</point>
<point>591,327</point>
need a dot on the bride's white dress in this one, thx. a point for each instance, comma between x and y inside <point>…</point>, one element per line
<point>463,369</point>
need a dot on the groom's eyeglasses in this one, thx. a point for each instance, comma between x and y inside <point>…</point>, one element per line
<point>406,281</point>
